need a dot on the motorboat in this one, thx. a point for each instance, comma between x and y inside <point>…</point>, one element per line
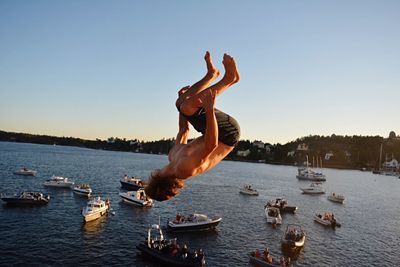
<point>314,188</point>
<point>336,197</point>
<point>167,251</point>
<point>95,208</point>
<point>294,237</point>
<point>282,205</point>
<point>273,215</point>
<point>265,259</point>
<point>138,198</point>
<point>58,181</point>
<point>25,172</point>
<point>326,219</point>
<point>26,198</point>
<point>193,222</point>
<point>82,189</point>
<point>132,184</point>
<point>248,190</point>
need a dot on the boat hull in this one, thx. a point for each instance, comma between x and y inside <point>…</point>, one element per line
<point>87,217</point>
<point>315,179</point>
<point>81,192</point>
<point>58,185</point>
<point>27,173</point>
<point>193,227</point>
<point>135,202</point>
<point>262,263</point>
<point>130,186</point>
<point>167,259</point>
<point>19,201</point>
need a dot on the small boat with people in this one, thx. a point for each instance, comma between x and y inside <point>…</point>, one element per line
<point>132,184</point>
<point>248,190</point>
<point>313,188</point>
<point>265,259</point>
<point>294,237</point>
<point>82,189</point>
<point>168,251</point>
<point>95,208</point>
<point>58,181</point>
<point>273,215</point>
<point>336,197</point>
<point>138,198</point>
<point>25,172</point>
<point>26,198</point>
<point>193,222</point>
<point>281,204</point>
<point>326,219</point>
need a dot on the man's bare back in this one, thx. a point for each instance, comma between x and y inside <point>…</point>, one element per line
<point>197,105</point>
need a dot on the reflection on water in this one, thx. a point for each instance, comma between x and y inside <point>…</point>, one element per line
<point>95,227</point>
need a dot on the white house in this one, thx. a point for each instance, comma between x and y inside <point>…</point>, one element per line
<point>243,153</point>
<point>302,147</point>
<point>328,155</point>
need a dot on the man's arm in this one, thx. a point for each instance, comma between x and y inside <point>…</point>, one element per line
<point>211,134</point>
<point>183,134</point>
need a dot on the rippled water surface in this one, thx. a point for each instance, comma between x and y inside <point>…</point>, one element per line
<point>55,234</point>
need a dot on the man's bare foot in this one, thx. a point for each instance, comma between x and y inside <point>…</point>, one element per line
<point>231,72</point>
<point>212,71</point>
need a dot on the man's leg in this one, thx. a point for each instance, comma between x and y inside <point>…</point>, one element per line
<point>189,91</point>
<point>191,105</point>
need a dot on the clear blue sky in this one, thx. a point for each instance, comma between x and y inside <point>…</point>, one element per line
<point>96,69</point>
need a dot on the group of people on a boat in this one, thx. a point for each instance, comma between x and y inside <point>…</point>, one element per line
<point>294,235</point>
<point>180,218</point>
<point>267,257</point>
<point>328,217</point>
<point>171,248</point>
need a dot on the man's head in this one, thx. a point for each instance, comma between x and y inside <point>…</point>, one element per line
<point>162,187</point>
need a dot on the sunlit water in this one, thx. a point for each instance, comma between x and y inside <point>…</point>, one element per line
<point>55,234</point>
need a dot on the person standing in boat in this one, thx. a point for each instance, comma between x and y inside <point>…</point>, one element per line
<point>220,132</point>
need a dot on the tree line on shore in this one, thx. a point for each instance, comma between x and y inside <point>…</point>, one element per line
<point>329,151</point>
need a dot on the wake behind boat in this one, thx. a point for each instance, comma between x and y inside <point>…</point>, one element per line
<point>248,190</point>
<point>58,181</point>
<point>26,198</point>
<point>25,172</point>
<point>193,222</point>
<point>138,198</point>
<point>168,252</point>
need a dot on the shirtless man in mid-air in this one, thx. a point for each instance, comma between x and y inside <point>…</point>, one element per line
<point>220,132</point>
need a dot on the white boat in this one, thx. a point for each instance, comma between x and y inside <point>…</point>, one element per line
<point>138,198</point>
<point>336,197</point>
<point>248,190</point>
<point>307,173</point>
<point>25,172</point>
<point>95,208</point>
<point>193,222</point>
<point>58,181</point>
<point>326,219</point>
<point>82,189</point>
<point>314,188</point>
<point>273,215</point>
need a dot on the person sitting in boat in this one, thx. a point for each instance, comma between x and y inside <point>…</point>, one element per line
<point>288,262</point>
<point>267,256</point>
<point>184,251</point>
<point>257,254</point>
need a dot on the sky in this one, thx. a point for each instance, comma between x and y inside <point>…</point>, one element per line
<point>98,69</point>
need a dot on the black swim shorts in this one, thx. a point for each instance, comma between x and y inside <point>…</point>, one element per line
<point>228,127</point>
